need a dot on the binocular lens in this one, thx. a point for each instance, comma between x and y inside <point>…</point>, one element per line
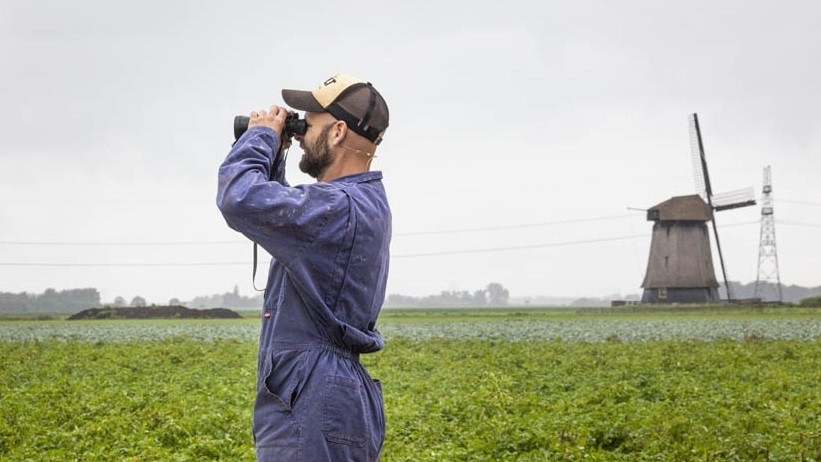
<point>294,126</point>
<point>240,126</point>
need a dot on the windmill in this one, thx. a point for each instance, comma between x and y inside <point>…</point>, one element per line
<point>680,265</point>
<point>718,202</point>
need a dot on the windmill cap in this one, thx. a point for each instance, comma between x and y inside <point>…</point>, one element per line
<point>681,208</point>
<point>351,100</point>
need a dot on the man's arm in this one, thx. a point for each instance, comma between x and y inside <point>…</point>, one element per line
<point>283,220</point>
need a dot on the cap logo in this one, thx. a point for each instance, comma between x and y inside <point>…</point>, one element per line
<point>330,90</point>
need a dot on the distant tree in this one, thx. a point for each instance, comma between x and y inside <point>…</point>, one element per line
<point>66,301</point>
<point>138,301</point>
<point>480,298</point>
<point>401,300</point>
<point>590,302</point>
<point>497,294</point>
<point>48,301</point>
<point>445,298</point>
<point>232,299</point>
<point>227,300</point>
<point>811,301</point>
<point>17,303</point>
<point>119,301</point>
<point>79,299</point>
<point>174,302</point>
<point>448,298</point>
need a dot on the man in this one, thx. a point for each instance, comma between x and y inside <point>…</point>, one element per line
<point>326,283</point>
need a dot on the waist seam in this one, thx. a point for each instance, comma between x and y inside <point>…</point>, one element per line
<point>314,345</point>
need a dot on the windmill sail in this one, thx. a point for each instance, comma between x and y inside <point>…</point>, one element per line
<point>718,202</point>
<point>697,156</point>
<point>734,199</point>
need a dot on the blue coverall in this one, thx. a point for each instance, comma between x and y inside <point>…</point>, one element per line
<point>326,285</point>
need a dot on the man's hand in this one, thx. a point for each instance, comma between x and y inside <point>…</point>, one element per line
<point>275,119</point>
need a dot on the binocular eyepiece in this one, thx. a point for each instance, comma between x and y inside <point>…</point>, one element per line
<point>293,126</point>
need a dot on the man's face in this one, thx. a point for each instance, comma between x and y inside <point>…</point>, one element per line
<point>314,143</point>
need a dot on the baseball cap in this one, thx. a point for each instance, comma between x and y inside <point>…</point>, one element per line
<point>349,99</point>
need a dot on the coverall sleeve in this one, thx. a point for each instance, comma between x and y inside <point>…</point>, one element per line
<point>281,219</point>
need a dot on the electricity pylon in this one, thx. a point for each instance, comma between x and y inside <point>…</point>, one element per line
<point>768,282</point>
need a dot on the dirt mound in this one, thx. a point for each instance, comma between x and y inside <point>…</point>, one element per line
<point>154,312</point>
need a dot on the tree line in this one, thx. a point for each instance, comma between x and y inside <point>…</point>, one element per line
<point>494,294</point>
<point>50,301</point>
<point>75,300</point>
<point>226,300</point>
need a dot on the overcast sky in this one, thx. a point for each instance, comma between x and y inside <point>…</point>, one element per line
<point>530,125</point>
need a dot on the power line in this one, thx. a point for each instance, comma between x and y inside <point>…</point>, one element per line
<point>780,222</point>
<point>518,247</point>
<point>110,265</point>
<point>411,255</point>
<point>399,256</point>
<point>802,202</point>
<point>745,223</point>
<point>795,223</point>
<point>234,242</point>
<point>517,226</point>
<point>135,243</point>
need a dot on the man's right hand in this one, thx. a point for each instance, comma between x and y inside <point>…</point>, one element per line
<point>275,118</point>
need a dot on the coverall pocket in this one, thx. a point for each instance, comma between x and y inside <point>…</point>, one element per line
<point>343,419</point>
<point>282,379</point>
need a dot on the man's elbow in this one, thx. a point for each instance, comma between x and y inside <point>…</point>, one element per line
<point>232,206</point>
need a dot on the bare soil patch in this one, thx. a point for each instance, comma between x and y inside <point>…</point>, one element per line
<point>154,312</point>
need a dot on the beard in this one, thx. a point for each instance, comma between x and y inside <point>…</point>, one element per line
<point>317,157</point>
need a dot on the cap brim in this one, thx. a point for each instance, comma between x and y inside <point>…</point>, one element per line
<point>302,100</point>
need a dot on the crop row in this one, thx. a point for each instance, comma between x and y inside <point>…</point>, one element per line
<point>585,330</point>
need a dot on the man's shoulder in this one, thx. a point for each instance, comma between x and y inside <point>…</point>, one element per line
<point>358,178</point>
<point>337,185</point>
<point>338,193</point>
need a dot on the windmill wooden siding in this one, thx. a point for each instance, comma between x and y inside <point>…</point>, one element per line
<point>680,265</point>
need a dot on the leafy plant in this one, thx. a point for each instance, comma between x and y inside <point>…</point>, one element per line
<point>182,399</point>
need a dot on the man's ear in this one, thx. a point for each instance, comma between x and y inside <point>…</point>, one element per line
<point>340,132</point>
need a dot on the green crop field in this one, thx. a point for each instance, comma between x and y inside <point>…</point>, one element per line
<point>459,385</point>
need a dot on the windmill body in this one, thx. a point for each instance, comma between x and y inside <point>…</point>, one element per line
<point>680,264</point>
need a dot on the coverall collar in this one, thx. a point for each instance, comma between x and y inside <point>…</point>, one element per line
<point>362,177</point>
